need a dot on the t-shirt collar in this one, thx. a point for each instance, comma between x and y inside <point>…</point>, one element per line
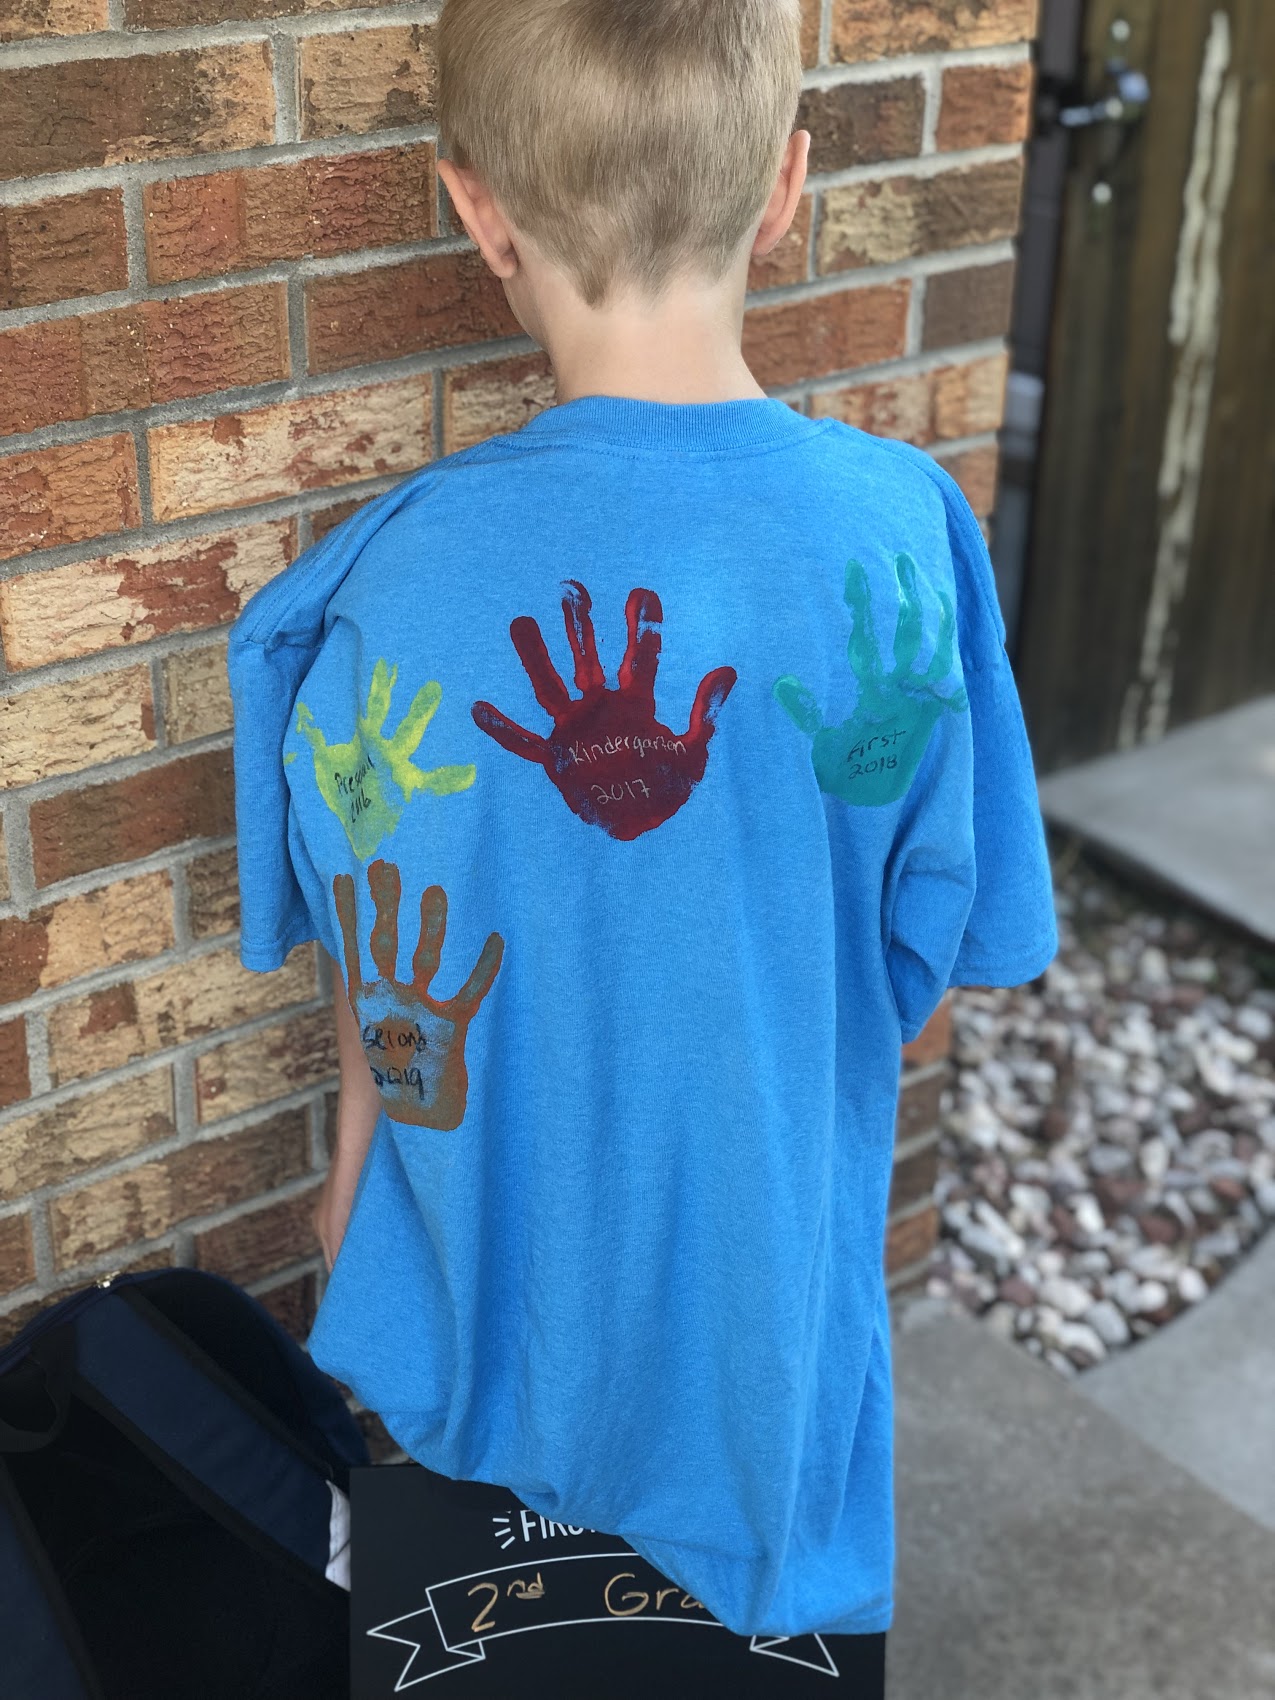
<point>700,426</point>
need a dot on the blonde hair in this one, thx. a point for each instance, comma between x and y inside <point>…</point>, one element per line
<point>631,140</point>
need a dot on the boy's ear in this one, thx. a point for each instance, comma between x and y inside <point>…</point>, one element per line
<point>781,209</point>
<point>481,216</point>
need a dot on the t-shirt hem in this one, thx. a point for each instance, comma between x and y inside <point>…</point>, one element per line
<point>1015,970</point>
<point>265,957</point>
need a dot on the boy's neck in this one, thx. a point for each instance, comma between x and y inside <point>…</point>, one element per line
<point>685,347</point>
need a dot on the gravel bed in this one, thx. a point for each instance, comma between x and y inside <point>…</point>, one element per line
<point>1108,1146</point>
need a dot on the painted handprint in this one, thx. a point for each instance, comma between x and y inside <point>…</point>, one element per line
<point>414,1043</point>
<point>873,757</point>
<point>616,766</point>
<point>368,782</point>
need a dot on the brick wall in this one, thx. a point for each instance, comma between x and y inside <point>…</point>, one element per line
<point>232,305</point>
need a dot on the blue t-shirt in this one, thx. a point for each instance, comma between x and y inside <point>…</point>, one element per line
<point>650,772</point>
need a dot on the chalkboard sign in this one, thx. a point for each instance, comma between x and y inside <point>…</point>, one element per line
<point>450,1579</point>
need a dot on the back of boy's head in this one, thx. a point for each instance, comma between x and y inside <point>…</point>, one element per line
<point>631,140</point>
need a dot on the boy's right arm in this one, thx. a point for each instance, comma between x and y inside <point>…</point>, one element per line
<point>358,1106</point>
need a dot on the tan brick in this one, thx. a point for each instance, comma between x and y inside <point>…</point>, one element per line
<point>896,218</point>
<point>919,1102</point>
<point>154,1197</point>
<point>67,494</point>
<point>85,112</point>
<point>125,922</point>
<point>119,599</point>
<point>875,29</point>
<point>484,400</point>
<point>934,1041</point>
<point>137,356</point>
<point>84,1132</point>
<point>295,445</point>
<point>863,123</point>
<point>61,728</point>
<point>293,1305</point>
<point>268,1064</point>
<point>181,14</point>
<point>121,820</point>
<point>923,407</point>
<point>17,1252</point>
<point>968,305</point>
<point>914,1177</point>
<point>826,333</point>
<point>212,883</point>
<point>364,80</point>
<point>983,104</point>
<point>975,470</point>
<point>789,260</point>
<point>196,694</point>
<point>188,1000</point>
<point>20,20</point>
<point>910,1239</point>
<point>230,220</point>
<point>811,18</point>
<point>54,250</point>
<point>260,1241</point>
<point>357,318</point>
<point>15,1077</point>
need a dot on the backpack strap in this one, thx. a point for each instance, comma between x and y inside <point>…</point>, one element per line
<point>43,1651</point>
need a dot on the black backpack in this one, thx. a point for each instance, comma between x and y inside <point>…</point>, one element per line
<point>166,1455</point>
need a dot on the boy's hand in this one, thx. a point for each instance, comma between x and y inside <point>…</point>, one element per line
<point>612,760</point>
<point>872,758</point>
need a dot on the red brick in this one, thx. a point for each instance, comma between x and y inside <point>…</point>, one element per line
<point>789,260</point>
<point>983,104</point>
<point>75,832</point>
<point>323,520</point>
<point>17,1252</point>
<point>15,1078</point>
<point>261,1241</point>
<point>911,1239</point>
<point>914,1177</point>
<point>862,123</point>
<point>268,1064</point>
<point>934,1041</point>
<point>975,470</point>
<point>153,1197</point>
<point>483,400</point>
<point>231,220</point>
<point>811,19</point>
<point>826,333</point>
<point>124,922</point>
<point>365,80</point>
<point>919,1103</point>
<point>968,305</point>
<point>86,112</point>
<point>4,867</point>
<point>874,29</point>
<point>184,586</point>
<point>304,444</point>
<point>440,301</point>
<point>67,494</point>
<point>895,218</point>
<point>293,1305</point>
<point>21,20</point>
<point>138,356</point>
<point>212,885</point>
<point>54,250</point>
<point>960,400</point>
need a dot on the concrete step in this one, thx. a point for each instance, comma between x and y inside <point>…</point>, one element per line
<point>1046,1552</point>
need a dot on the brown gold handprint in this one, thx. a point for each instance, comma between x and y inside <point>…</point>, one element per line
<point>414,1043</point>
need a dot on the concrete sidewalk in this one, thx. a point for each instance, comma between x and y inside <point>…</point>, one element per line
<point>1046,1552</point>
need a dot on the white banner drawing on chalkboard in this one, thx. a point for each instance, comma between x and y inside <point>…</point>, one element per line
<point>470,1610</point>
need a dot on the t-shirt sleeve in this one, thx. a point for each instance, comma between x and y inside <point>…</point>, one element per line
<point>274,917</point>
<point>1010,934</point>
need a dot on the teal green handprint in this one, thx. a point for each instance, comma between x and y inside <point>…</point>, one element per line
<point>873,757</point>
<point>368,782</point>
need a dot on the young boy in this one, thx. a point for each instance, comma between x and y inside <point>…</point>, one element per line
<point>649,773</point>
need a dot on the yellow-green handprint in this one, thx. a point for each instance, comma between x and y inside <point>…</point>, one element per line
<point>873,757</point>
<point>368,782</point>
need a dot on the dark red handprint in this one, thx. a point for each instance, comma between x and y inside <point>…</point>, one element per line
<point>614,763</point>
<point>414,1044</point>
